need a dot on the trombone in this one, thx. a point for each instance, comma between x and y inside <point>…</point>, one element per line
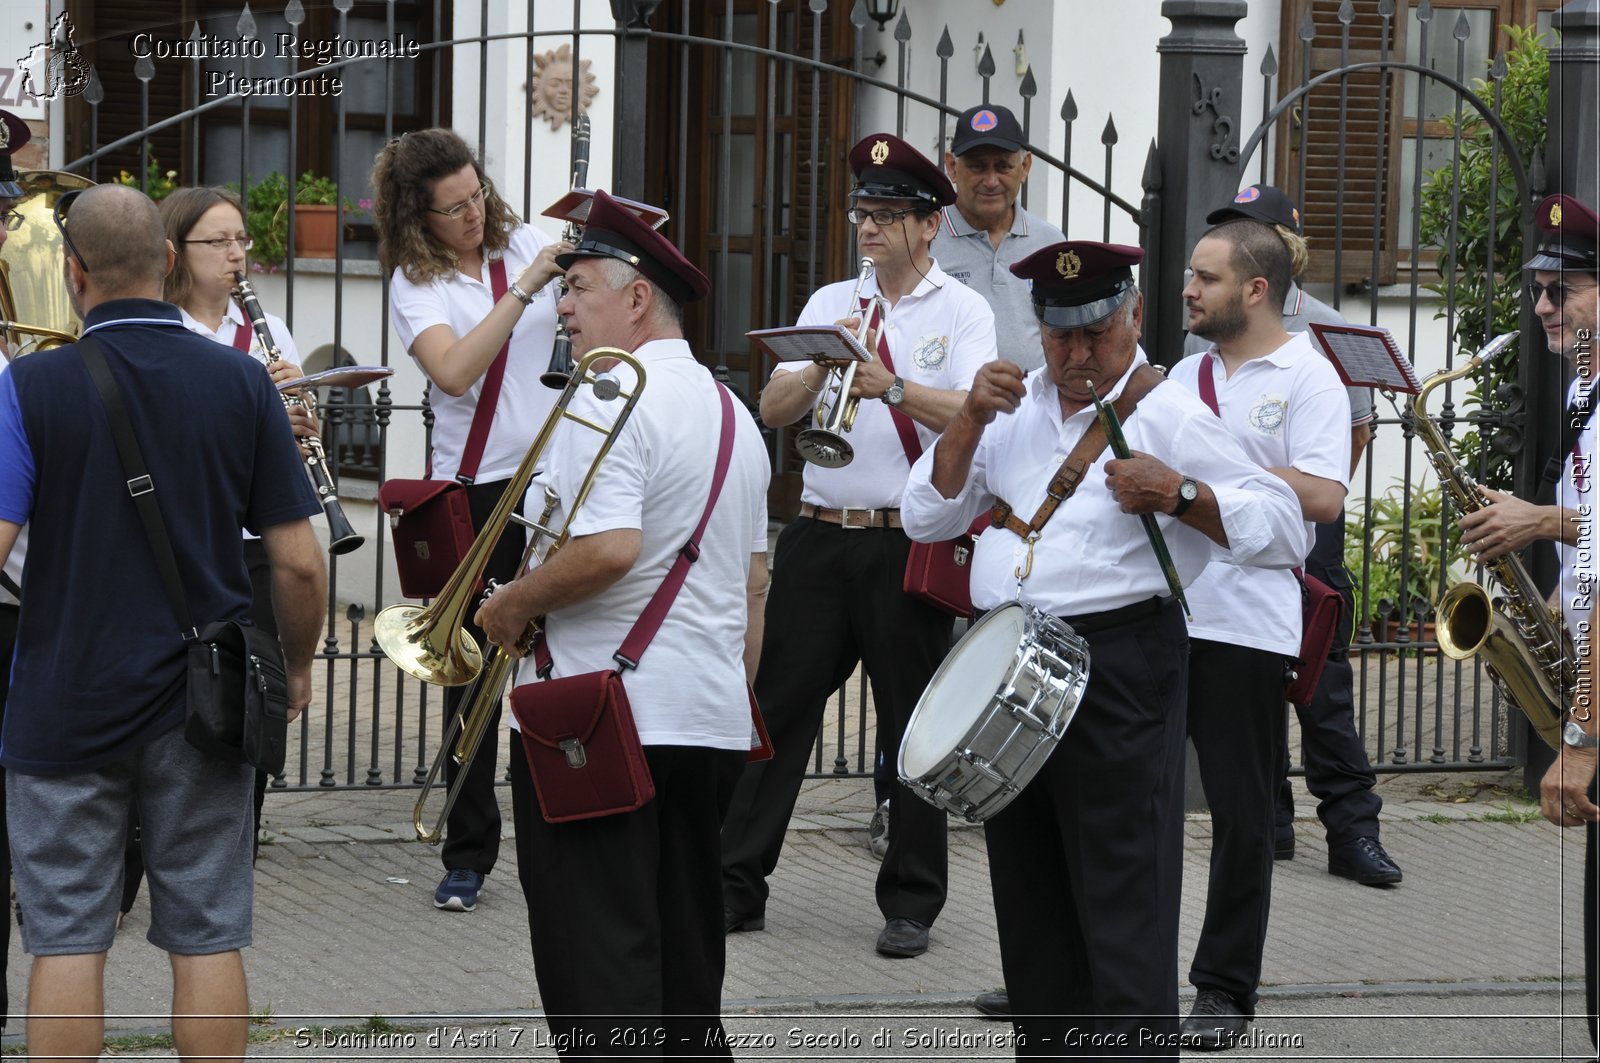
<point>824,443</point>
<point>431,643</point>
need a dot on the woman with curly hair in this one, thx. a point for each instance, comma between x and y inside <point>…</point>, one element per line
<point>473,299</point>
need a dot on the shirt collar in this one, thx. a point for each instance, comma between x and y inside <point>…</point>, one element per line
<point>956,222</point>
<point>233,314</point>
<point>132,311</point>
<point>1040,385</point>
<point>1294,300</point>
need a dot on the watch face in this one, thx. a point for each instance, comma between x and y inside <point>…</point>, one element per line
<point>1189,490</point>
<point>1576,736</point>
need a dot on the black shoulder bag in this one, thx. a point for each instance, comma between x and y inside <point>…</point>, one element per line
<point>238,695</point>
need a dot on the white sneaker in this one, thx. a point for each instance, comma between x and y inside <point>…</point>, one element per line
<point>878,831</point>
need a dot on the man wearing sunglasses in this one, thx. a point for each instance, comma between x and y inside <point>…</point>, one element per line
<point>96,705</point>
<point>1564,285</point>
<point>837,595</point>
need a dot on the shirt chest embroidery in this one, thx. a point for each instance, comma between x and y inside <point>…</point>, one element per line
<point>930,352</point>
<point>1268,414</point>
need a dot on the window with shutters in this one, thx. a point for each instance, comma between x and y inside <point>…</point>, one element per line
<point>209,149</point>
<point>1353,145</point>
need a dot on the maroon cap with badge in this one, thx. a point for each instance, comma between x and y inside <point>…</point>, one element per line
<point>1079,282</point>
<point>1571,236</point>
<point>886,167</point>
<point>14,133</point>
<point>614,231</point>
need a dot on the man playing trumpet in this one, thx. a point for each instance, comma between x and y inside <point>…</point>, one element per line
<point>836,596</point>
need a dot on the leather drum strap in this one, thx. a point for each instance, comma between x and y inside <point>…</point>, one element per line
<point>1067,478</point>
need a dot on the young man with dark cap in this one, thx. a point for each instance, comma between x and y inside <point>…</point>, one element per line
<point>837,593</point>
<point>1086,863</point>
<point>1564,284</point>
<point>1282,400</point>
<point>987,229</point>
<point>1338,772</point>
<point>623,909</point>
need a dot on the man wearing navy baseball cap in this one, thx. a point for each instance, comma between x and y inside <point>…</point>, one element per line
<point>987,230</point>
<point>838,589</point>
<point>1099,830</point>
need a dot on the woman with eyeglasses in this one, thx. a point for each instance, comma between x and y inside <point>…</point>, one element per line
<point>473,299</point>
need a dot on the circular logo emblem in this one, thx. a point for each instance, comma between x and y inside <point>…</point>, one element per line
<point>984,121</point>
<point>880,152</point>
<point>1267,416</point>
<point>1249,195</point>
<point>1068,264</point>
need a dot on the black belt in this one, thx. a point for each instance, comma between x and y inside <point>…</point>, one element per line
<point>1089,623</point>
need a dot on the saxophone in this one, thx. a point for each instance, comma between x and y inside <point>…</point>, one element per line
<point>1527,649</point>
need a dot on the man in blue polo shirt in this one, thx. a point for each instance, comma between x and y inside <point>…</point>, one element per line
<point>96,706</point>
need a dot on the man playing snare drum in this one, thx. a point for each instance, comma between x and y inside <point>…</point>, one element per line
<point>1085,864</point>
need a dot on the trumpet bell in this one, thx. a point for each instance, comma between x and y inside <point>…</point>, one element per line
<point>442,654</point>
<point>822,447</point>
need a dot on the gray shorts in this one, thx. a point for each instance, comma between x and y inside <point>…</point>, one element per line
<point>68,834</point>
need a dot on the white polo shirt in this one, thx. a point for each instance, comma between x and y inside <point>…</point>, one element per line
<point>689,688</point>
<point>1287,409</point>
<point>462,302</point>
<point>1092,556</point>
<point>227,332</point>
<point>938,336</point>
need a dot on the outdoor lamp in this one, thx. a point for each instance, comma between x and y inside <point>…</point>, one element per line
<point>881,11</point>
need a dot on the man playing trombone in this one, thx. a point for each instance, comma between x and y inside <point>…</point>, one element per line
<point>622,909</point>
<point>837,595</point>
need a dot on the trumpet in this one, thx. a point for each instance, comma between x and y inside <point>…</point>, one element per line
<point>824,443</point>
<point>559,370</point>
<point>431,642</point>
<point>342,535</point>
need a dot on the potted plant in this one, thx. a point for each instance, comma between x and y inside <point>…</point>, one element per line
<point>317,215</point>
<point>159,183</point>
<point>1401,571</point>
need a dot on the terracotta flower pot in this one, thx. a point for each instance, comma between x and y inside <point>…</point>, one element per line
<point>316,230</point>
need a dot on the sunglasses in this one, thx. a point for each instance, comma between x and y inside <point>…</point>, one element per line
<point>63,205</point>
<point>1557,293</point>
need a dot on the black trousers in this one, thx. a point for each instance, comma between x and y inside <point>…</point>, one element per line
<point>1237,721</point>
<point>836,600</point>
<point>472,830</point>
<point>1338,772</point>
<point>625,915</point>
<point>1086,864</point>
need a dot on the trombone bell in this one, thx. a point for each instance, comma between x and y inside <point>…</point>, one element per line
<point>442,654</point>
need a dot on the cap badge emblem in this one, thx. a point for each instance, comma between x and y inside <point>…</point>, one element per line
<point>1555,214</point>
<point>1068,264</point>
<point>880,152</point>
<point>1249,195</point>
<point>984,121</point>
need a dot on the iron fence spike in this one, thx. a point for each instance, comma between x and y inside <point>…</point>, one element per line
<point>1029,87</point>
<point>902,29</point>
<point>1108,136</point>
<point>246,26</point>
<point>1069,109</point>
<point>294,13</point>
<point>1269,63</point>
<point>947,47</point>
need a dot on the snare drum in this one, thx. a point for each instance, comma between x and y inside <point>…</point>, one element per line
<point>994,711</point>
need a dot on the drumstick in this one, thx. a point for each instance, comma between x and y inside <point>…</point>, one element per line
<point>1152,531</point>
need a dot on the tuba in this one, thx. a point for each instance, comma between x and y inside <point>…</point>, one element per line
<point>431,643</point>
<point>35,312</point>
<point>1527,649</point>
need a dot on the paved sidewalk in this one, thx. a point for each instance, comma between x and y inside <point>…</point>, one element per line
<point>346,930</point>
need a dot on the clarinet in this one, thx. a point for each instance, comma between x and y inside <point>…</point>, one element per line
<point>560,368</point>
<point>342,535</point>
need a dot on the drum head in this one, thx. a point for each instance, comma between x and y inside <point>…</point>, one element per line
<point>962,689</point>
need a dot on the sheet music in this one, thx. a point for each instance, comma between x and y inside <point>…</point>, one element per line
<point>814,343</point>
<point>1367,356</point>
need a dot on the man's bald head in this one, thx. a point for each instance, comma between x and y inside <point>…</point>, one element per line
<point>118,233</point>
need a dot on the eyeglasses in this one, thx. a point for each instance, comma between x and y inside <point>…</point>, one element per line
<point>13,220</point>
<point>461,208</point>
<point>881,218</point>
<point>222,243</point>
<point>63,205</point>
<point>1556,292</point>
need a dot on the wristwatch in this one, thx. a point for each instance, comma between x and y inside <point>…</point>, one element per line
<point>1576,737</point>
<point>896,393</point>
<point>1188,491</point>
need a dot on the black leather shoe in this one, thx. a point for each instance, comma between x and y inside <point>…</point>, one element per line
<point>1364,861</point>
<point>994,1005</point>
<point>902,939</point>
<point>733,922</point>
<point>1283,847</point>
<point>1215,1022</point>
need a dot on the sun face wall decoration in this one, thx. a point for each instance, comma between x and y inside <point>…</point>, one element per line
<point>551,87</point>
